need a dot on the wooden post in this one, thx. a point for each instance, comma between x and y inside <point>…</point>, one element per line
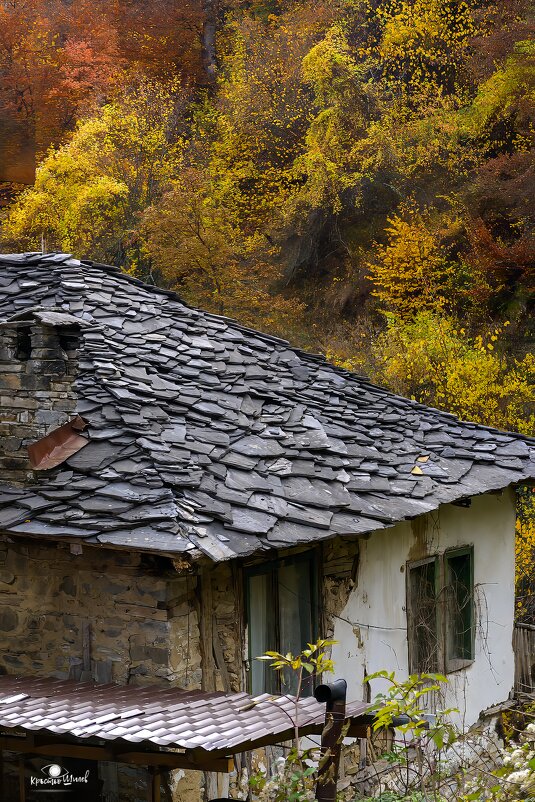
<point>208,666</point>
<point>331,738</point>
<point>22,781</point>
<point>1,774</point>
<point>153,787</point>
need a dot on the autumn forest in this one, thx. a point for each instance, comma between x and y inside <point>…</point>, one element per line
<point>356,176</point>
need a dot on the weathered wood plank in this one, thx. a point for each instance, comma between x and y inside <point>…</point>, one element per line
<point>524,649</point>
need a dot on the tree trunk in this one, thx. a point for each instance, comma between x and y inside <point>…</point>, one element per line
<point>209,29</point>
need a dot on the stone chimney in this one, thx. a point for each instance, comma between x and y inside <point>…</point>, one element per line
<point>38,365</point>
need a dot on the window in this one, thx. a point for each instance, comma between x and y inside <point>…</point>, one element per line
<point>440,612</point>
<point>422,611</point>
<point>459,585</point>
<point>281,604</point>
<point>24,344</point>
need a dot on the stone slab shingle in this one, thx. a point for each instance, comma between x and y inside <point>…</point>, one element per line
<point>206,436</point>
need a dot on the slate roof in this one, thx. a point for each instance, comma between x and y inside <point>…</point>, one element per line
<point>206,436</point>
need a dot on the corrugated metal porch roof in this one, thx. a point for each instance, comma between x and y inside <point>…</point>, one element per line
<point>145,720</point>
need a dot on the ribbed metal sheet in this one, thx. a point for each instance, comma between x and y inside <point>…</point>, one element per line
<point>213,722</point>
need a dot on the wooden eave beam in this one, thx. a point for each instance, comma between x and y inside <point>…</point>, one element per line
<point>167,760</point>
<point>360,730</point>
<point>171,761</point>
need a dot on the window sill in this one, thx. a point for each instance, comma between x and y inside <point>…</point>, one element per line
<point>458,665</point>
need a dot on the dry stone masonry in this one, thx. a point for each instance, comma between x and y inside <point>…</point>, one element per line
<point>98,615</point>
<point>38,364</point>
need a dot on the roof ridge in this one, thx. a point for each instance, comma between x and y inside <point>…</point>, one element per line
<point>62,258</point>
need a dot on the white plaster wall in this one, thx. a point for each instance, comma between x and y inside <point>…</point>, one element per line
<point>376,638</point>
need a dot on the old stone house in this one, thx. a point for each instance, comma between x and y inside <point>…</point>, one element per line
<point>179,494</point>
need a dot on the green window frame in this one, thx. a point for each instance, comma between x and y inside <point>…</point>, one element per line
<point>441,620</point>
<point>460,613</point>
<point>281,610</point>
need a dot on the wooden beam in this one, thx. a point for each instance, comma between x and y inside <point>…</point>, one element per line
<point>19,745</point>
<point>358,731</point>
<point>154,786</point>
<point>55,748</point>
<point>73,750</point>
<point>163,760</point>
<point>206,614</point>
<point>173,761</point>
<point>22,780</point>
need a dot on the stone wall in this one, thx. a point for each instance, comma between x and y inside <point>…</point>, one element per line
<point>227,587</point>
<point>102,615</point>
<point>38,364</point>
<point>109,615</point>
<point>98,614</point>
<point>340,567</point>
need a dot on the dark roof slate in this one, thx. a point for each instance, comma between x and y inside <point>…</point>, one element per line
<point>206,436</point>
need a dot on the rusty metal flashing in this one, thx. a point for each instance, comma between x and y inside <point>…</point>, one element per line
<point>58,446</point>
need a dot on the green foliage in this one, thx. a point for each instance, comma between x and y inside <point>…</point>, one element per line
<point>295,780</point>
<point>415,755</point>
<point>314,659</point>
<point>403,699</point>
<point>392,796</point>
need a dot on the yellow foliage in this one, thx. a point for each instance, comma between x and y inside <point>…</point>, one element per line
<point>525,555</point>
<point>198,249</point>
<point>88,192</point>
<point>429,359</point>
<point>411,273</point>
<point>424,42</point>
<point>328,166</point>
<point>263,110</point>
<point>507,97</point>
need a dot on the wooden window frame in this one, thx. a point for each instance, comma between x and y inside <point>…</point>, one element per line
<point>445,663</point>
<point>411,617</point>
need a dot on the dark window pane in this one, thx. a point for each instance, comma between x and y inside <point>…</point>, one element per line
<point>423,625</point>
<point>295,617</point>
<point>280,618</point>
<point>262,632</point>
<point>24,344</point>
<point>460,603</point>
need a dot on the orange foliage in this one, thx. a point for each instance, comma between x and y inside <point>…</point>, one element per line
<point>58,58</point>
<point>54,58</point>
<point>161,38</point>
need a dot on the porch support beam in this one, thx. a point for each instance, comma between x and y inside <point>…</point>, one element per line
<point>162,760</point>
